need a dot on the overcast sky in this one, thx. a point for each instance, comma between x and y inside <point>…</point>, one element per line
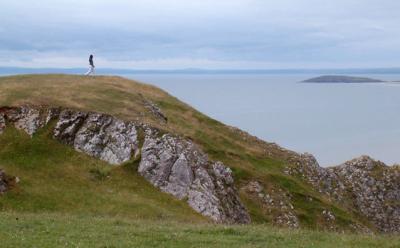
<point>166,34</point>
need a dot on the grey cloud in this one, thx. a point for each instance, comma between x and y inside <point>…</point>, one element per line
<point>250,30</point>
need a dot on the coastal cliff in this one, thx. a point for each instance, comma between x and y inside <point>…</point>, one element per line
<point>114,146</point>
<point>177,166</point>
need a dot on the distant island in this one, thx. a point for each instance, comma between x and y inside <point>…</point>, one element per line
<point>342,79</point>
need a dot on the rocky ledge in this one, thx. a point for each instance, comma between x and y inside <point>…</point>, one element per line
<point>173,164</point>
<point>365,186</point>
<point>179,167</point>
<point>6,182</point>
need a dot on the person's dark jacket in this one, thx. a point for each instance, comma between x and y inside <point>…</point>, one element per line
<point>91,61</point>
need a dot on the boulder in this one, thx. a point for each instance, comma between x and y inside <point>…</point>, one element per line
<point>180,168</point>
<point>99,135</point>
<point>2,123</point>
<point>6,182</point>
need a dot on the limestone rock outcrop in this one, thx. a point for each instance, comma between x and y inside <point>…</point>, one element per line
<point>101,136</point>
<point>178,167</point>
<point>155,110</point>
<point>29,119</point>
<point>173,164</point>
<point>374,189</point>
<point>277,202</point>
<point>2,123</point>
<point>6,182</point>
<point>363,185</point>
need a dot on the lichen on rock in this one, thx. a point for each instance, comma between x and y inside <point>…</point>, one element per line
<point>98,135</point>
<point>6,182</point>
<point>26,118</point>
<point>173,164</point>
<point>178,167</point>
<point>363,185</point>
<point>2,123</point>
<point>276,202</point>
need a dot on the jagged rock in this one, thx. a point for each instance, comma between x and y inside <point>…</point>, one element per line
<point>364,185</point>
<point>6,182</point>
<point>233,210</point>
<point>323,179</point>
<point>29,119</point>
<point>51,114</point>
<point>2,123</point>
<point>99,135</point>
<point>68,125</point>
<point>173,164</point>
<point>328,215</point>
<point>178,167</point>
<point>329,220</point>
<point>375,190</point>
<point>254,187</point>
<point>277,202</point>
<point>3,182</point>
<point>287,219</point>
<point>154,109</point>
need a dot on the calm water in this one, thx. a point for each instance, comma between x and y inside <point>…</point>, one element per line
<point>335,122</point>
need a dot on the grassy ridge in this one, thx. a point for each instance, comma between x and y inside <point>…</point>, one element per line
<point>56,179</point>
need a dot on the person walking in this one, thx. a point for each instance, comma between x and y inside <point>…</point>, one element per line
<point>91,68</point>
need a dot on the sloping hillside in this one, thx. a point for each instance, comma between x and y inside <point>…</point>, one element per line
<point>272,182</point>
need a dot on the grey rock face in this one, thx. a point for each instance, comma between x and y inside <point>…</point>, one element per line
<point>375,190</point>
<point>101,136</point>
<point>155,110</point>
<point>6,182</point>
<point>178,167</point>
<point>3,182</point>
<point>68,125</point>
<point>173,164</point>
<point>234,211</point>
<point>29,119</point>
<point>323,179</point>
<point>363,184</point>
<point>2,123</point>
<point>277,202</point>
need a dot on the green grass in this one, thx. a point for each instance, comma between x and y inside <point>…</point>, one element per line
<point>59,185</point>
<point>60,230</point>
<point>55,178</point>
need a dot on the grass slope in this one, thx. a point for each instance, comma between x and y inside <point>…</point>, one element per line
<point>58,230</point>
<point>124,98</point>
<point>59,185</point>
<point>55,178</point>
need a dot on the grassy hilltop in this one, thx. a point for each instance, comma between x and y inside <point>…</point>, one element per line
<point>68,198</point>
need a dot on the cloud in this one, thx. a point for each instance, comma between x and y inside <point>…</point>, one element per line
<point>201,33</point>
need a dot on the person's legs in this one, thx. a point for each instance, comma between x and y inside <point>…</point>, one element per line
<point>88,72</point>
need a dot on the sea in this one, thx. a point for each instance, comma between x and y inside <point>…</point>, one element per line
<point>334,122</point>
